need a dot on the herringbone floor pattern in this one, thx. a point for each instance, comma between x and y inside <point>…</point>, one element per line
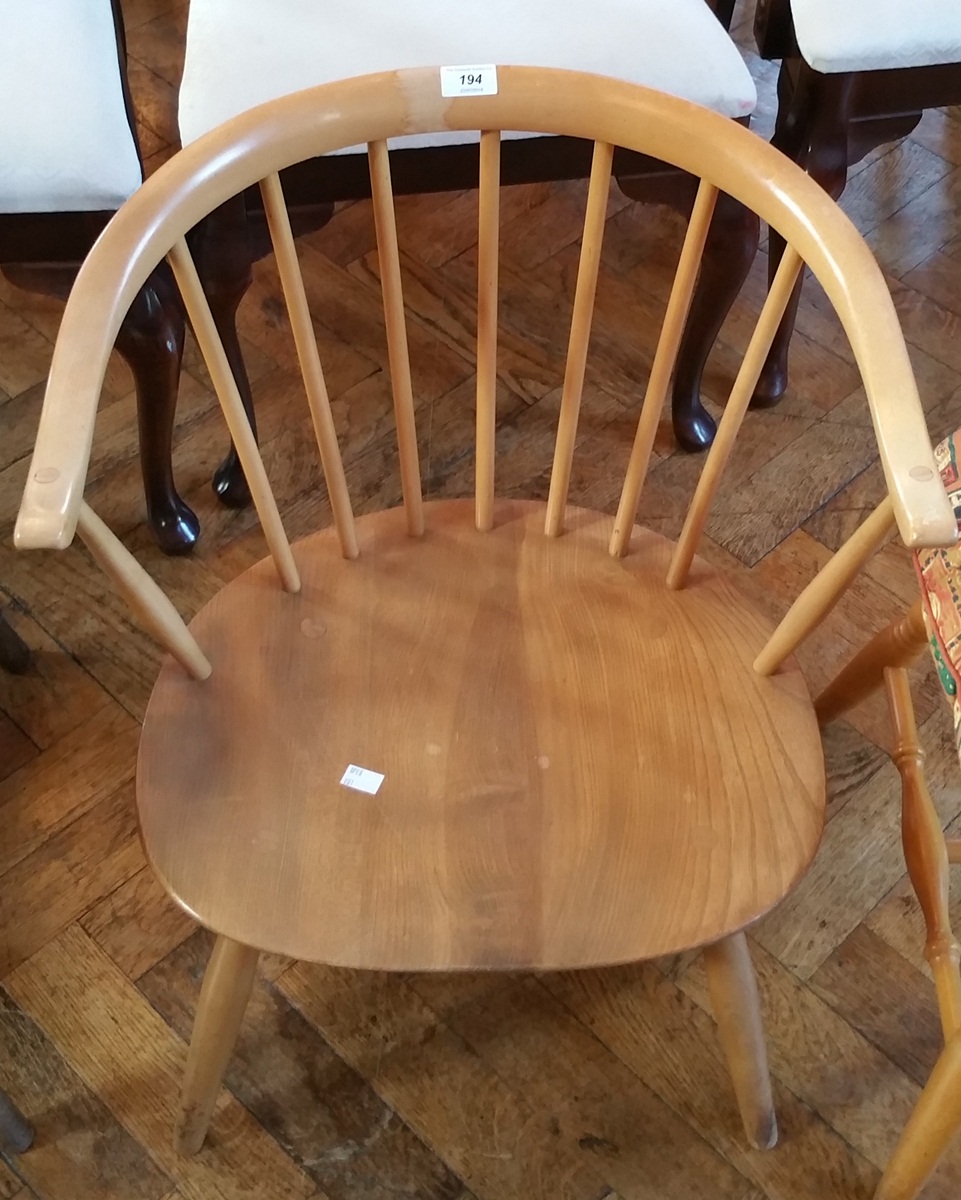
<point>592,1086</point>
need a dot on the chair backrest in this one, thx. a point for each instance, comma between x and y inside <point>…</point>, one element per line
<point>255,147</point>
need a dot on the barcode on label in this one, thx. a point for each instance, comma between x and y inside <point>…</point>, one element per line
<point>469,81</point>
<point>362,780</point>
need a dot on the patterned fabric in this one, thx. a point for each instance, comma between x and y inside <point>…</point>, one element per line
<point>940,574</point>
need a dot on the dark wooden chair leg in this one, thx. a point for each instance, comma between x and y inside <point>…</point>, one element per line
<point>813,129</point>
<point>16,1134</point>
<point>222,251</point>
<point>14,657</point>
<point>225,247</point>
<point>151,339</point>
<point>728,253</point>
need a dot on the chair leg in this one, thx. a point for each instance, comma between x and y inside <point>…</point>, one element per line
<point>897,645</point>
<point>223,999</point>
<point>224,256</point>
<point>16,1134</point>
<point>729,251</point>
<point>151,339</point>
<point>733,989</point>
<point>936,1120</point>
<point>812,128</point>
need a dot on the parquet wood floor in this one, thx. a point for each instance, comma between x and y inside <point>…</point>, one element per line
<point>595,1086</point>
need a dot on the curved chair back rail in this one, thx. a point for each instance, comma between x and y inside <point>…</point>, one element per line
<point>255,147</point>
<point>372,109</point>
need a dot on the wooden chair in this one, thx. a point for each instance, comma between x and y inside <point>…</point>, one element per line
<point>853,76</point>
<point>933,622</point>
<point>68,159</point>
<point>235,60</point>
<point>426,738</point>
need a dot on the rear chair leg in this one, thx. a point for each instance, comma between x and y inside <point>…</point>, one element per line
<point>223,999</point>
<point>733,988</point>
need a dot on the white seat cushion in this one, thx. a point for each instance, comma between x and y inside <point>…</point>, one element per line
<point>877,35</point>
<point>65,142</point>
<point>241,53</point>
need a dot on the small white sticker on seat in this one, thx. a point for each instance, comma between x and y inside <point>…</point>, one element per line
<point>469,81</point>
<point>362,780</point>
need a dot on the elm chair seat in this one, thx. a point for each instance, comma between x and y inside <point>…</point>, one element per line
<point>66,144</point>
<point>239,56</point>
<point>864,35</point>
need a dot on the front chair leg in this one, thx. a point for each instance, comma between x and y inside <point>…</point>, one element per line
<point>935,1122</point>
<point>729,251</point>
<point>223,998</point>
<point>151,339</point>
<point>733,989</point>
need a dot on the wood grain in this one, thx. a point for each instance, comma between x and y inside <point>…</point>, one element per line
<point>604,1086</point>
<point>492,678</point>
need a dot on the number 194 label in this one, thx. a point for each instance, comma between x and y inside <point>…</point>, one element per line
<point>468,81</point>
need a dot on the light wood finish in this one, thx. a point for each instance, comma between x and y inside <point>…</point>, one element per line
<point>579,1084</point>
<point>591,242</point>
<point>292,282</point>
<point>924,851</point>
<point>498,739</point>
<point>898,644</point>
<point>954,849</point>
<point>665,356</point>
<point>934,1124</point>
<point>374,108</point>
<point>488,232</point>
<point>389,258</point>
<point>223,999</point>
<point>826,589</point>
<point>149,603</point>
<point>225,386</point>
<point>734,999</point>
<point>727,430</point>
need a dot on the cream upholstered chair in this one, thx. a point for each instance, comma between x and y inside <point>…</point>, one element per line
<point>853,76</point>
<point>68,160</point>
<point>239,55</point>
<point>426,738</point>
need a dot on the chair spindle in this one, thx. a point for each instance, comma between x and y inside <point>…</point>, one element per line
<point>292,282</point>
<point>398,353</point>
<point>665,356</point>
<point>580,336</point>
<point>205,331</point>
<point>151,606</point>
<point>826,588</point>
<point>730,423</point>
<point>487,253</point>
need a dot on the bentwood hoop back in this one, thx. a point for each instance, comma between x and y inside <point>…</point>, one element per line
<point>576,743</point>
